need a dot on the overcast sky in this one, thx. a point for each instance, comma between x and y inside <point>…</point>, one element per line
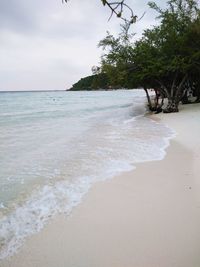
<point>47,45</point>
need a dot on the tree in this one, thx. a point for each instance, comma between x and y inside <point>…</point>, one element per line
<point>166,58</point>
<point>176,59</point>
<point>117,56</point>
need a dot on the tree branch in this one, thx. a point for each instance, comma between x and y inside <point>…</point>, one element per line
<point>117,8</point>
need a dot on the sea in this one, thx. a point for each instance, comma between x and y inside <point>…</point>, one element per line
<point>55,145</point>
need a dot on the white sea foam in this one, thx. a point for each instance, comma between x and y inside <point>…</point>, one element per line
<point>54,175</point>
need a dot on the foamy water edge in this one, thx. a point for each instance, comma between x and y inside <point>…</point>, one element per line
<point>51,200</point>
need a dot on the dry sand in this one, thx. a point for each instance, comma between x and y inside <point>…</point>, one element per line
<point>149,217</point>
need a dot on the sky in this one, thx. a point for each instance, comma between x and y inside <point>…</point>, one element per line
<point>47,45</point>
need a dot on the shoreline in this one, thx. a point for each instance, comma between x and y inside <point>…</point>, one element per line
<point>147,217</point>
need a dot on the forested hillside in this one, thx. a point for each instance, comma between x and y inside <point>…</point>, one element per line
<point>93,82</point>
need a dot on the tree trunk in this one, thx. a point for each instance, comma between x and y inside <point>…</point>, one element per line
<point>172,106</point>
<point>184,99</point>
<point>175,97</point>
<point>198,95</point>
<point>148,99</point>
<point>198,99</point>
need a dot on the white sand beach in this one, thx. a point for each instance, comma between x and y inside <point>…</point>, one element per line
<point>149,217</point>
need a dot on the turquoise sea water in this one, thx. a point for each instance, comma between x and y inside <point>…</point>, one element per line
<point>55,145</point>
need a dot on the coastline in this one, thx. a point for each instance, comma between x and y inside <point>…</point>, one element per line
<point>147,217</point>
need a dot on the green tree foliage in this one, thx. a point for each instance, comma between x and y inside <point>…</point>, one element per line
<point>93,82</point>
<point>173,59</point>
<point>117,57</point>
<point>166,58</point>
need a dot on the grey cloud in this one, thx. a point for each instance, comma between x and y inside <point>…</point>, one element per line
<point>16,16</point>
<point>29,16</point>
<point>49,45</point>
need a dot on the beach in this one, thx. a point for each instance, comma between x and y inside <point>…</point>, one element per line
<point>148,217</point>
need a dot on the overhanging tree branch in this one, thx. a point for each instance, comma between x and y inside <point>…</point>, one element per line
<point>117,8</point>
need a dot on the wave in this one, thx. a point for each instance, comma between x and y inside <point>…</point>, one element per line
<point>112,142</point>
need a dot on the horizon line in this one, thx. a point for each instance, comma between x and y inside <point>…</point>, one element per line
<point>27,91</point>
